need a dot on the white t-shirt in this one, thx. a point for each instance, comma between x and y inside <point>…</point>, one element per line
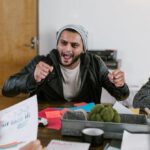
<point>71,82</point>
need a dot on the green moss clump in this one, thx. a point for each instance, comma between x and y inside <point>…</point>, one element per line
<point>104,113</point>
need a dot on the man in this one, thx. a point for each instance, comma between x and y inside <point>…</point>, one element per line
<point>68,73</point>
<point>142,97</point>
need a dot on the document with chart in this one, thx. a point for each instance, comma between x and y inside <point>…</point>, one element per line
<point>19,124</point>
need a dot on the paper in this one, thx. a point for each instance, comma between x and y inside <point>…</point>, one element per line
<point>114,144</point>
<point>135,141</point>
<point>53,121</point>
<point>53,115</point>
<point>135,110</point>
<point>86,107</point>
<point>80,104</point>
<point>121,109</point>
<point>19,124</point>
<point>66,145</point>
<point>112,148</point>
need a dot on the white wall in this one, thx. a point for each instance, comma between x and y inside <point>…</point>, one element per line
<point>116,24</point>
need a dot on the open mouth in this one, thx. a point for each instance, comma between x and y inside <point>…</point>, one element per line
<point>67,56</point>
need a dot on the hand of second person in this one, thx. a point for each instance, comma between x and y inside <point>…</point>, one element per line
<point>42,70</point>
<point>34,145</point>
<point>117,78</point>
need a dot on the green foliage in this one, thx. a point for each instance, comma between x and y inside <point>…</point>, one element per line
<point>104,113</point>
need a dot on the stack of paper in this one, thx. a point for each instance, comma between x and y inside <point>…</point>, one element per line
<point>121,109</point>
<point>54,115</point>
<point>65,145</point>
<point>135,141</point>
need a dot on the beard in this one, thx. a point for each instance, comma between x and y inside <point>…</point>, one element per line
<point>71,59</point>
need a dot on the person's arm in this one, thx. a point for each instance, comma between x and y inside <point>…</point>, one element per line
<point>34,145</point>
<point>114,82</point>
<point>22,82</point>
<point>142,97</point>
<point>120,92</point>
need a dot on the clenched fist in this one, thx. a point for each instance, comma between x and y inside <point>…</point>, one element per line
<point>42,70</point>
<point>117,78</point>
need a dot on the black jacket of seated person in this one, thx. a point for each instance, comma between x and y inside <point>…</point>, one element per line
<point>93,73</point>
<point>142,97</point>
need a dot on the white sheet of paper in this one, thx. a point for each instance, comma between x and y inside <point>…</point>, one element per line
<point>135,141</point>
<point>19,123</point>
<point>121,109</point>
<point>66,145</point>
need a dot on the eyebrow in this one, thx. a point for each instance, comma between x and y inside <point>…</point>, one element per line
<point>62,40</point>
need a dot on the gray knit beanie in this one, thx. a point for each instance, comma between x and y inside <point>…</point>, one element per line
<point>80,29</point>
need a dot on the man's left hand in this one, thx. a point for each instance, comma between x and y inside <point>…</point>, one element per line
<point>117,78</point>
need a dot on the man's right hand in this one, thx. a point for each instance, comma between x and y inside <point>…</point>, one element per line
<point>42,70</point>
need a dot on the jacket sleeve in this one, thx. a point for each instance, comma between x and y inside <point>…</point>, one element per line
<point>120,93</point>
<point>142,98</point>
<point>22,82</point>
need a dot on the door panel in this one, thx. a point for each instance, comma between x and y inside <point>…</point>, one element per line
<point>18,25</point>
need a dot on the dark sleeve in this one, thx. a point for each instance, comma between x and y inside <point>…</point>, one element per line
<point>23,81</point>
<point>120,93</point>
<point>142,98</point>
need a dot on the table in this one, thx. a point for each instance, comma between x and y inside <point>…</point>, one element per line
<point>44,134</point>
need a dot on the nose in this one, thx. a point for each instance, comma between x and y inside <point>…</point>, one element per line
<point>68,47</point>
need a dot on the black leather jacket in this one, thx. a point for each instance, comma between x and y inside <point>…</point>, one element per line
<point>93,73</point>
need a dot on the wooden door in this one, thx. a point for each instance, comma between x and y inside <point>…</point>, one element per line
<point>18,26</point>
